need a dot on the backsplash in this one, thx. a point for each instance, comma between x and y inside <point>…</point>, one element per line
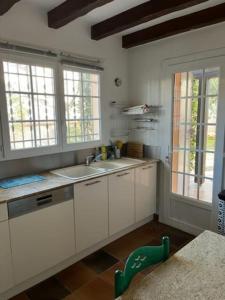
<point>39,164</point>
<point>34,165</point>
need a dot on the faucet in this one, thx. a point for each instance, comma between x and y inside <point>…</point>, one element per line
<point>89,159</point>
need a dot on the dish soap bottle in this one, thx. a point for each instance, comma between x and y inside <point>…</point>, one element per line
<point>104,152</point>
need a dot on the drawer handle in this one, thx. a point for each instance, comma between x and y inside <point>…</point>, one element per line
<point>149,167</point>
<point>44,201</point>
<point>92,183</point>
<point>124,174</point>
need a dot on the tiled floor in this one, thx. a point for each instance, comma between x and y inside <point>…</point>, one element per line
<point>93,277</point>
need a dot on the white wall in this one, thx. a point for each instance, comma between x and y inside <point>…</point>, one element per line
<point>27,24</point>
<point>145,70</point>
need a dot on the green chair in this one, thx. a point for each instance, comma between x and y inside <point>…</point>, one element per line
<point>137,261</point>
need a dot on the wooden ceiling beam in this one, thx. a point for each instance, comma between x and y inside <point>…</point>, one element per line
<point>137,15</point>
<point>5,5</point>
<point>71,10</point>
<point>206,17</point>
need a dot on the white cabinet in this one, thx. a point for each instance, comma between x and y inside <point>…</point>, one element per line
<point>42,239</point>
<point>6,278</point>
<point>145,191</point>
<point>121,201</point>
<point>91,212</point>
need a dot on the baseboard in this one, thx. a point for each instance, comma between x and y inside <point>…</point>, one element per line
<point>65,264</point>
<point>184,226</point>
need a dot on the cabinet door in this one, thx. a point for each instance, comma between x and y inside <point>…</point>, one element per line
<point>145,191</point>
<point>91,212</point>
<point>121,201</point>
<point>6,280</point>
<point>42,239</point>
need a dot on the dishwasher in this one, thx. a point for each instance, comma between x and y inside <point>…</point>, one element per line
<point>42,232</point>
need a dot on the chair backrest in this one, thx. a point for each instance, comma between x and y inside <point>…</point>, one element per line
<point>139,260</point>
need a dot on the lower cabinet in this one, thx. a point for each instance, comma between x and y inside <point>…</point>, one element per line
<point>145,191</point>
<point>121,201</point>
<point>6,277</point>
<point>91,212</point>
<point>42,239</point>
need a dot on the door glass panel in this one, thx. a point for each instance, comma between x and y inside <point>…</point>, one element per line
<point>194,133</point>
<point>177,183</point>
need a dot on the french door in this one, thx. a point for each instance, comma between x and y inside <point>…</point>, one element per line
<point>194,97</point>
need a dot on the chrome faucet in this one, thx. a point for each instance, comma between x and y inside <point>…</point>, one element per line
<point>89,159</point>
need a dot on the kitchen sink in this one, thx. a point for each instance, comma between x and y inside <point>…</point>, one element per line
<point>82,171</point>
<point>78,172</point>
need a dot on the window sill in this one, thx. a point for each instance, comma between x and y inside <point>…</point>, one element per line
<point>192,201</point>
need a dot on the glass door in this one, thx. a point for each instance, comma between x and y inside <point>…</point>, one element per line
<point>195,107</point>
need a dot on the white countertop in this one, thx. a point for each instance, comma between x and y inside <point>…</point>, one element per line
<point>53,182</point>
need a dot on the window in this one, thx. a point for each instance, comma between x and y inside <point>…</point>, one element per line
<point>194,133</point>
<point>32,91</point>
<point>82,106</point>
<point>30,101</point>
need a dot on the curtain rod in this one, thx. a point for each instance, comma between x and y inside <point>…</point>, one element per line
<point>64,57</point>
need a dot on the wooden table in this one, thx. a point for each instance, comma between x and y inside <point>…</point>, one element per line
<point>197,271</point>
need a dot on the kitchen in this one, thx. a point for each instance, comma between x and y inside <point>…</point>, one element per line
<point>50,68</point>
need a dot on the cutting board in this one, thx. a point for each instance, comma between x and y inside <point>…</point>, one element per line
<point>135,150</point>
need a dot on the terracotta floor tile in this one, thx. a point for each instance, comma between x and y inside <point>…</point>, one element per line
<point>21,296</point>
<point>97,289</point>
<point>109,275</point>
<point>50,289</point>
<point>76,276</point>
<point>100,261</point>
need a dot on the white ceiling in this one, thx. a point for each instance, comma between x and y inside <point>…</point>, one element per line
<point>118,6</point>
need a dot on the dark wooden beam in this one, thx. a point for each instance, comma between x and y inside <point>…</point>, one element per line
<point>189,22</point>
<point>137,15</point>
<point>71,10</point>
<point>5,5</point>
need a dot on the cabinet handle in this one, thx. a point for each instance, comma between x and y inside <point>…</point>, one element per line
<point>124,174</point>
<point>92,183</point>
<point>149,167</point>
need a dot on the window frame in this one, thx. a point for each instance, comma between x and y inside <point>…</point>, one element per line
<point>202,123</point>
<point>5,150</point>
<point>82,145</point>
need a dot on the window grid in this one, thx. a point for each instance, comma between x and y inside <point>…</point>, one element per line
<point>82,106</point>
<point>30,97</point>
<point>201,150</point>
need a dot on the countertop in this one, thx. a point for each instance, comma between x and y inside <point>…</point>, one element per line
<point>197,271</point>
<point>53,181</point>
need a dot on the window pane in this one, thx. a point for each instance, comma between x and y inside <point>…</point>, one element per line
<point>82,112</point>
<point>177,183</point>
<point>191,162</point>
<point>211,110</point>
<point>191,186</point>
<point>90,89</point>
<point>192,136</point>
<point>209,133</point>
<point>208,164</point>
<point>212,86</point>
<point>194,83</point>
<point>205,190</point>
<point>178,161</point>
<point>193,110</point>
<point>179,111</point>
<point>26,104</point>
<point>180,89</point>
<point>179,136</point>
